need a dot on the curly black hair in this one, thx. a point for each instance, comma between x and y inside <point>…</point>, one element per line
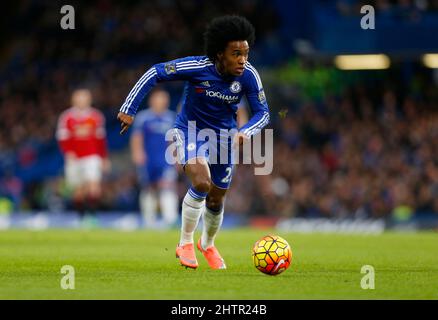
<point>225,29</point>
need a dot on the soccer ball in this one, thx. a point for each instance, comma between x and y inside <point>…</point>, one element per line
<point>272,255</point>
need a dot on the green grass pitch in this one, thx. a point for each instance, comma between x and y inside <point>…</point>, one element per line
<point>141,265</point>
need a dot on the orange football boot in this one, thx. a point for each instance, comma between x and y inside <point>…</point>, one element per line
<point>213,257</point>
<point>186,255</point>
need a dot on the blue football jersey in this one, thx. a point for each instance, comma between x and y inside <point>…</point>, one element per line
<point>154,126</point>
<point>209,98</point>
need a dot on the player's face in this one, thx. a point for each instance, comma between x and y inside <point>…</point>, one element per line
<point>159,101</point>
<point>232,60</point>
<point>81,99</point>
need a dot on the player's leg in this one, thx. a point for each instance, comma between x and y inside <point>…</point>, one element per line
<point>213,214</point>
<point>147,198</point>
<point>168,196</point>
<point>92,169</point>
<point>148,206</point>
<point>169,206</point>
<point>194,201</point>
<point>198,172</point>
<point>74,181</point>
<point>196,168</point>
<point>94,194</point>
<point>78,200</point>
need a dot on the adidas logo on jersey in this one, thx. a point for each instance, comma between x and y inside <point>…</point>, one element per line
<point>205,84</point>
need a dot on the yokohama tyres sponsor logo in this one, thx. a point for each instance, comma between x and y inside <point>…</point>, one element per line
<point>223,97</point>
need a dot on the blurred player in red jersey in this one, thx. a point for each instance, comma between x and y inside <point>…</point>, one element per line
<point>82,138</point>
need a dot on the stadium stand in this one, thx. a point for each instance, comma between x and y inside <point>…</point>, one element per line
<point>367,149</point>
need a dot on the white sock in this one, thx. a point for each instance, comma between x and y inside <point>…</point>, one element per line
<point>212,223</point>
<point>169,206</point>
<point>191,212</point>
<point>148,206</point>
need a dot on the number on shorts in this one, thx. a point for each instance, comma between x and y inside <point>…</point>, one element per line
<point>228,176</point>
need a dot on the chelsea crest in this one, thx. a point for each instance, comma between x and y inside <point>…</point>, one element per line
<point>236,87</point>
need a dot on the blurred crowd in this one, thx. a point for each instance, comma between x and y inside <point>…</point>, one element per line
<point>369,152</point>
<point>119,31</point>
<point>400,10</point>
<point>361,154</point>
<point>113,43</point>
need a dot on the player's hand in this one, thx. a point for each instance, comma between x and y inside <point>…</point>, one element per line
<point>239,139</point>
<point>125,121</point>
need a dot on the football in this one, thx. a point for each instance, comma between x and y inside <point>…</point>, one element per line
<point>272,255</point>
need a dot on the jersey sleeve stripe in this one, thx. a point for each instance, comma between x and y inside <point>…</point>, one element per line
<point>145,78</point>
<point>150,73</point>
<point>258,128</point>
<point>190,64</point>
<point>193,62</point>
<point>257,78</point>
<point>255,74</point>
<point>259,124</point>
<point>134,90</point>
<point>265,115</point>
<point>193,67</point>
<point>139,82</point>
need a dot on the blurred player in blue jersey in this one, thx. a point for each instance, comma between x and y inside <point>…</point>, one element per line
<point>215,84</point>
<point>148,145</point>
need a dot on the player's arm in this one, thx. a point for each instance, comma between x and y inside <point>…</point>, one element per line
<point>138,154</point>
<point>64,137</point>
<point>101,140</point>
<point>257,104</point>
<point>179,69</point>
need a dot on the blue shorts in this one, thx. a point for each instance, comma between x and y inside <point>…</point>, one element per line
<point>151,173</point>
<point>218,155</point>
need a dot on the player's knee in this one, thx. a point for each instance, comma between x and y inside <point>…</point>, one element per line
<point>93,189</point>
<point>202,184</point>
<point>215,204</point>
